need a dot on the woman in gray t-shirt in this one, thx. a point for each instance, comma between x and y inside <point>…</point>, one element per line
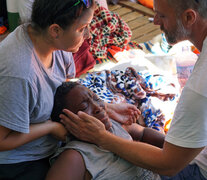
<point>34,60</point>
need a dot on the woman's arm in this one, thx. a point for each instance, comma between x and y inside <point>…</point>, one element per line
<point>10,139</point>
<point>166,161</point>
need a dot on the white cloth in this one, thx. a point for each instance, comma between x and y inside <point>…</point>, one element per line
<point>189,124</point>
<point>25,9</point>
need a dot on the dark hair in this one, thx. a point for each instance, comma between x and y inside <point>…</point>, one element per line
<point>47,12</point>
<point>59,99</point>
<point>198,5</point>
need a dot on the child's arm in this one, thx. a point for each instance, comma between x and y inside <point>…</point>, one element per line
<point>123,113</point>
<point>145,134</point>
<point>69,166</point>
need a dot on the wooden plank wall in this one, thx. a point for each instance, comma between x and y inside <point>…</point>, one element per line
<point>137,17</point>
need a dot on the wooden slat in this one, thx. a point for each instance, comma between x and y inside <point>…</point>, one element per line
<point>3,36</point>
<point>143,30</point>
<point>114,7</point>
<point>122,11</point>
<point>148,36</point>
<point>138,22</point>
<point>137,7</point>
<point>131,16</point>
<point>137,17</point>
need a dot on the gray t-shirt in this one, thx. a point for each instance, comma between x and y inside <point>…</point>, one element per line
<point>27,92</point>
<point>103,164</point>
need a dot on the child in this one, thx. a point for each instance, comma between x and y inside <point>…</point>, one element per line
<point>82,160</point>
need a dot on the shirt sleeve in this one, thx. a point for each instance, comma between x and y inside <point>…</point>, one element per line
<point>189,124</point>
<point>14,104</point>
<point>70,68</point>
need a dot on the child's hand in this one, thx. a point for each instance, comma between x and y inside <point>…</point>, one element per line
<point>59,131</point>
<point>123,113</point>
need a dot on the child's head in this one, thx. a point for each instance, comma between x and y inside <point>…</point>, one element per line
<point>76,97</point>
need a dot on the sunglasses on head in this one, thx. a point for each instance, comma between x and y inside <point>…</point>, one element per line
<point>86,2</point>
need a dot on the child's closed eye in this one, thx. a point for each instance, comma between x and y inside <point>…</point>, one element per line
<point>83,107</point>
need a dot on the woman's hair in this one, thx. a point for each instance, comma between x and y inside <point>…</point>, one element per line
<point>59,99</point>
<point>61,12</point>
<point>198,5</point>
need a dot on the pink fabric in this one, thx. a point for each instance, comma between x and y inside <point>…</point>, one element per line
<point>84,60</point>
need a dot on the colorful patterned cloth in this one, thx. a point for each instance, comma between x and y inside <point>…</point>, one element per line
<point>107,29</point>
<point>138,88</point>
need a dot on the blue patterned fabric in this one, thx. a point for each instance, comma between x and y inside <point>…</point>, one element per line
<point>138,88</point>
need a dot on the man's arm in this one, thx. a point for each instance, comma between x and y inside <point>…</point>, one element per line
<point>166,161</point>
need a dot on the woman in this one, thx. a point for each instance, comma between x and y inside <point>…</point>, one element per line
<point>34,60</point>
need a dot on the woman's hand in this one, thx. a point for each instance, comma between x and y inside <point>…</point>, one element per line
<point>123,113</point>
<point>58,131</point>
<point>83,126</point>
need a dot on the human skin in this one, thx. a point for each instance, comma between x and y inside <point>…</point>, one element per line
<point>54,38</point>
<point>171,158</point>
<point>82,99</point>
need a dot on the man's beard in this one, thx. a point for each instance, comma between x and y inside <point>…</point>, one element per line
<point>179,33</point>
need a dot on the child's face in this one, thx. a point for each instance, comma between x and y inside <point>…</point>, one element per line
<point>81,98</point>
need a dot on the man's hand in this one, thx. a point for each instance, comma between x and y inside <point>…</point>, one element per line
<point>123,113</point>
<point>83,126</point>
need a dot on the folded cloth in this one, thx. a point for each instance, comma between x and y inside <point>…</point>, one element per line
<point>107,29</point>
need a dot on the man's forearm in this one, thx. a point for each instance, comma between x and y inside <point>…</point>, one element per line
<point>163,161</point>
<point>135,152</point>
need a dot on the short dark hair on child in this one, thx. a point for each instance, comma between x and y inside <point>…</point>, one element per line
<point>59,99</point>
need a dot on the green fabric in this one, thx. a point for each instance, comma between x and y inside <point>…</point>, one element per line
<point>14,21</point>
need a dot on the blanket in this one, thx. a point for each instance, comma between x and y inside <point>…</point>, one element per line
<point>151,93</point>
<point>107,29</point>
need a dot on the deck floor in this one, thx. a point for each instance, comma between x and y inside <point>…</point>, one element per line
<point>137,17</point>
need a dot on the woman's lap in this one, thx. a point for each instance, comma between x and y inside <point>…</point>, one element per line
<point>32,170</point>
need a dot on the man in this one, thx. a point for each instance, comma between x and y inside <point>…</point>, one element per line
<point>187,137</point>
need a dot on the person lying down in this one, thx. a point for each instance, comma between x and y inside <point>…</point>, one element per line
<point>82,160</point>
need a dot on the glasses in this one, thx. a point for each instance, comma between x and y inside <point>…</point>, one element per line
<point>86,2</point>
